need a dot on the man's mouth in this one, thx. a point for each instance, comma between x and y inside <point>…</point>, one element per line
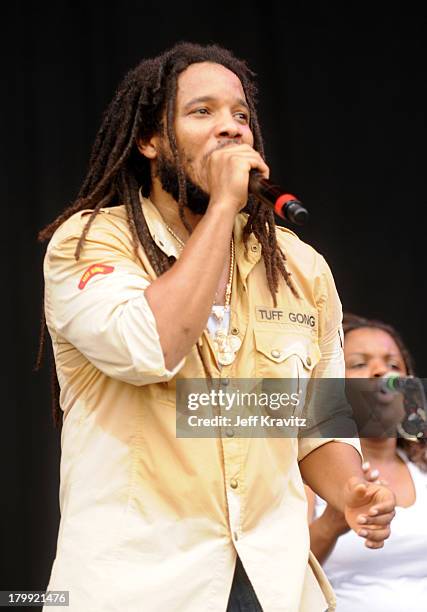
<point>221,145</point>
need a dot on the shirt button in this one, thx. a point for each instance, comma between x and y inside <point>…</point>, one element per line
<point>234,331</point>
<point>233,483</point>
<point>275,353</point>
<point>225,382</point>
<point>229,432</point>
<point>254,248</point>
<point>309,361</point>
<point>235,536</point>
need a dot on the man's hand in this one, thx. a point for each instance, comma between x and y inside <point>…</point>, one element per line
<point>228,170</point>
<point>369,509</point>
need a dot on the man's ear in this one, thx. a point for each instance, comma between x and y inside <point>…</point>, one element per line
<point>148,148</point>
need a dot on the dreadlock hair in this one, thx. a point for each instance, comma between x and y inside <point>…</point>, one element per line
<point>144,105</point>
<point>415,450</point>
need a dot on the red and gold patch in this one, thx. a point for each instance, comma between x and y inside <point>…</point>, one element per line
<point>92,271</point>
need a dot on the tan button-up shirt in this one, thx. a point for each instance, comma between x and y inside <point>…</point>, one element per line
<point>151,522</point>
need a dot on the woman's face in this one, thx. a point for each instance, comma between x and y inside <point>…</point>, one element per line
<point>369,354</point>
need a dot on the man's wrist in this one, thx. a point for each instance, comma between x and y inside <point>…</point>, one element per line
<point>331,524</point>
<point>224,206</point>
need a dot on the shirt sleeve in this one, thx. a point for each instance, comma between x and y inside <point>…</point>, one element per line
<point>97,304</point>
<point>328,408</point>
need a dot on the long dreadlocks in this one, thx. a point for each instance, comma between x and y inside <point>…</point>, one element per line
<point>117,170</point>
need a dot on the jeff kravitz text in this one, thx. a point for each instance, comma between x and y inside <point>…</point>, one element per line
<point>254,420</point>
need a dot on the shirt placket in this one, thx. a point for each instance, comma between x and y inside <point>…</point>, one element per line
<point>235,448</point>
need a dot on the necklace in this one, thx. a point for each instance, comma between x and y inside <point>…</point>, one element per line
<point>226,345</point>
<point>218,308</point>
<point>177,238</point>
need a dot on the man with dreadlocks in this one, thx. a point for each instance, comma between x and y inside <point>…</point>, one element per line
<point>162,270</point>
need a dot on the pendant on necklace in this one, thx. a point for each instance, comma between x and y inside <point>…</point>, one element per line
<point>226,346</point>
<point>226,358</point>
<point>218,311</point>
<point>224,343</point>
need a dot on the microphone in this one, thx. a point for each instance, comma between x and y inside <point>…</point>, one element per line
<point>414,422</point>
<point>285,205</point>
<point>394,383</point>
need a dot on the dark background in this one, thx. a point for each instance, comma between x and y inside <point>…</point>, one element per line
<point>342,100</point>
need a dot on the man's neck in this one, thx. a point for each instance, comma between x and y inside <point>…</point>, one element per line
<point>169,210</point>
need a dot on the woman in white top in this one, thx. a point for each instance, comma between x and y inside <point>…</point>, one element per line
<point>393,579</point>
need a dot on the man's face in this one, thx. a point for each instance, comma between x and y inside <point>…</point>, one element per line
<point>211,112</point>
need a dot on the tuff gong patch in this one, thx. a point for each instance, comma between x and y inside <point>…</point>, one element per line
<point>278,315</point>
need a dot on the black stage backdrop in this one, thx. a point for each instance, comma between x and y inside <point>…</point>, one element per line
<point>342,100</point>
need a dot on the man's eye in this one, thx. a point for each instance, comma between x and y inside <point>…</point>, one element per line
<point>354,366</point>
<point>243,117</point>
<point>200,111</point>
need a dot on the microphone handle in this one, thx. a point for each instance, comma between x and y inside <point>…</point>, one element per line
<point>285,205</point>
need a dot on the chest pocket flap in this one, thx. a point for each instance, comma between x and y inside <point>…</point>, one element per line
<point>278,347</point>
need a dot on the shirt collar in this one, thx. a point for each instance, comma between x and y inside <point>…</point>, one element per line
<point>245,258</point>
<point>158,229</point>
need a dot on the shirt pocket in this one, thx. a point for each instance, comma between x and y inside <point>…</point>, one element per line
<point>283,355</point>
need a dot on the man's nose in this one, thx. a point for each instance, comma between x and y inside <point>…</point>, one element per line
<point>228,127</point>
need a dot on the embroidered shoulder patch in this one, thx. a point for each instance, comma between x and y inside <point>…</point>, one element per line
<point>92,271</point>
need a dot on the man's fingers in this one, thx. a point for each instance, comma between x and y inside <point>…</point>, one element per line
<point>381,498</point>
<point>376,536</point>
<point>382,508</point>
<point>380,519</point>
<point>374,545</point>
<point>358,490</point>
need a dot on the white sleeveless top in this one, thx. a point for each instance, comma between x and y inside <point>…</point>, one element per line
<point>390,579</point>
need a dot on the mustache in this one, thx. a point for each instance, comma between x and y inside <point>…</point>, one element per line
<point>221,145</point>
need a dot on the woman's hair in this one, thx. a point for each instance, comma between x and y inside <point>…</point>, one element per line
<point>416,451</point>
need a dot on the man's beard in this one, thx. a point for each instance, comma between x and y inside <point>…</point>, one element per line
<point>197,198</point>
